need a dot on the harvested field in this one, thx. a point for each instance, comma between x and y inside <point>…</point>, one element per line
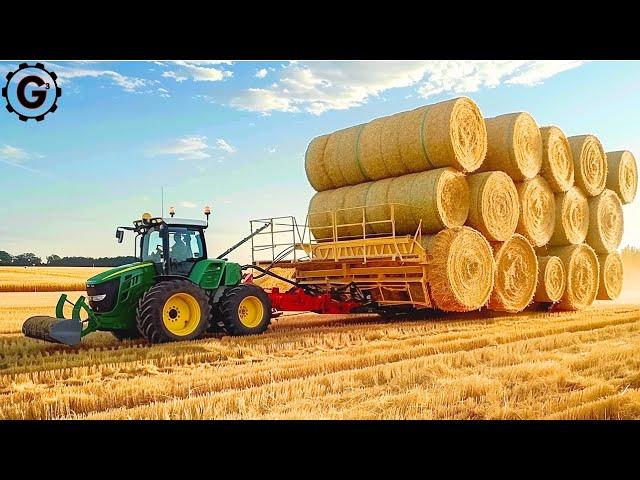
<point>45,279</point>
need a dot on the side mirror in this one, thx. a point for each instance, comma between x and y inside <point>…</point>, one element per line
<point>119,235</point>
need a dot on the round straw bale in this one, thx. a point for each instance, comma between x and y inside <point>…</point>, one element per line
<point>551,280</point>
<point>320,216</point>
<point>461,269</point>
<point>582,269</point>
<point>353,197</point>
<point>622,177</point>
<point>389,145</point>
<point>437,198</point>
<point>606,223</point>
<point>557,161</point>
<point>331,162</point>
<point>572,218</point>
<point>347,141</point>
<point>537,210</point>
<point>370,151</point>
<point>611,276</point>
<point>494,205</point>
<point>590,163</point>
<point>378,209</point>
<point>314,164</point>
<point>514,146</point>
<point>516,275</point>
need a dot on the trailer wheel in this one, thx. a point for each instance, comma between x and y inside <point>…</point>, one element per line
<point>172,311</point>
<point>245,310</point>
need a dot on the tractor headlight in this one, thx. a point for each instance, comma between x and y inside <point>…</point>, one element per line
<point>103,296</point>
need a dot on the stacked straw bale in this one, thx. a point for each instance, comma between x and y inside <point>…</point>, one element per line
<point>516,275</point>
<point>510,213</point>
<point>590,163</point>
<point>622,176</point>
<point>551,280</point>
<point>610,276</point>
<point>514,146</point>
<point>445,134</point>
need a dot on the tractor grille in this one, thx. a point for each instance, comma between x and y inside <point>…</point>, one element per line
<point>109,288</point>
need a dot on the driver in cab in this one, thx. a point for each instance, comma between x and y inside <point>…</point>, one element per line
<point>181,251</point>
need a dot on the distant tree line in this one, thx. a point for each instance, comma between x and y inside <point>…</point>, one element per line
<point>31,259</point>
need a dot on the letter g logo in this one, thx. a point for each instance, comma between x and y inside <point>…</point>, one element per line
<point>31,92</point>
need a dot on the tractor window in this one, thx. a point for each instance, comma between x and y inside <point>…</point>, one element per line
<point>152,247</point>
<point>185,249</point>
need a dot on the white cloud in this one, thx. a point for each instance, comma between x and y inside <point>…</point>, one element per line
<point>198,70</point>
<point>128,84</point>
<point>270,150</point>
<point>16,157</point>
<point>187,148</point>
<point>319,86</point>
<point>187,204</point>
<point>163,92</point>
<point>223,145</point>
<point>262,73</point>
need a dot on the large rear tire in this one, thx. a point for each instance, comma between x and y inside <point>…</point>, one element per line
<point>126,334</point>
<point>245,310</point>
<point>173,311</point>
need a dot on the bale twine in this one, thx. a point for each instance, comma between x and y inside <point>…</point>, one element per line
<point>320,218</point>
<point>557,161</point>
<point>437,198</point>
<point>516,275</point>
<point>537,211</point>
<point>514,146</point>
<point>572,218</point>
<point>606,222</point>
<point>461,269</point>
<point>494,205</point>
<point>445,134</point>
<point>622,176</point>
<point>611,276</point>
<point>590,163</point>
<point>582,269</point>
<point>551,280</point>
<point>314,164</point>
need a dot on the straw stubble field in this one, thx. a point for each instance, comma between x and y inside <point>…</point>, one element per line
<point>533,365</point>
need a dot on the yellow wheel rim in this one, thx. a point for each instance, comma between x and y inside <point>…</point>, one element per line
<point>181,314</point>
<point>250,312</point>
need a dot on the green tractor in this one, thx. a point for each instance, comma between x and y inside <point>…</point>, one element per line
<point>173,292</point>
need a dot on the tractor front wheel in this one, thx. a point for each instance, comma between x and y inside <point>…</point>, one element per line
<point>245,310</point>
<point>172,311</point>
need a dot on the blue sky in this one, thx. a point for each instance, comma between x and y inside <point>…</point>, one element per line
<point>233,135</point>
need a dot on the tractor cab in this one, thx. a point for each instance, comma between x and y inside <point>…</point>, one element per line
<point>174,245</point>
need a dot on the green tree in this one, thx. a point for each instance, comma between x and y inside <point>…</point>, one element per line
<point>5,258</point>
<point>53,259</point>
<point>26,259</point>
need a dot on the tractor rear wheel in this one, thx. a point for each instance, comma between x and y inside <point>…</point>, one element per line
<point>245,310</point>
<point>172,311</point>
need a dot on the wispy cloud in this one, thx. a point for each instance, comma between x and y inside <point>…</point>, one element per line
<point>16,157</point>
<point>262,73</point>
<point>193,147</point>
<point>223,145</point>
<point>127,83</point>
<point>270,150</point>
<point>319,86</point>
<point>197,70</point>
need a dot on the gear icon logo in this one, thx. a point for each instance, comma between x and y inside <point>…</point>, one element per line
<point>31,92</point>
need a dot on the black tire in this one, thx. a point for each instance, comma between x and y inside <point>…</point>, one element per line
<point>215,325</point>
<point>131,334</point>
<point>230,309</point>
<point>149,315</point>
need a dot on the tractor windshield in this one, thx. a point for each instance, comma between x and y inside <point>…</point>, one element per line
<point>152,247</point>
<point>185,248</point>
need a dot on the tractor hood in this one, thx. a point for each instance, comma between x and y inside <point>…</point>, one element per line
<point>118,271</point>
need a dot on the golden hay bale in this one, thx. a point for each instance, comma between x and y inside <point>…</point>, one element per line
<point>572,218</point>
<point>378,210</point>
<point>461,269</point>
<point>353,197</point>
<point>494,205</point>
<point>537,210</point>
<point>514,146</point>
<point>320,218</point>
<point>590,163</point>
<point>390,145</point>
<point>557,161</point>
<point>611,276</point>
<point>340,157</point>
<point>606,223</point>
<point>370,151</point>
<point>623,175</point>
<point>516,275</point>
<point>314,164</point>
<point>551,280</point>
<point>582,269</point>
<point>437,198</point>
